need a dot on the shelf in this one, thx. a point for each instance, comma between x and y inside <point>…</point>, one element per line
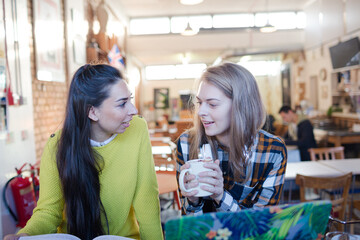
<point>339,94</point>
<point>344,69</point>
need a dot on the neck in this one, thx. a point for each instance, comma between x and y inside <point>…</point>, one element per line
<point>98,135</point>
<point>223,140</point>
<point>295,118</point>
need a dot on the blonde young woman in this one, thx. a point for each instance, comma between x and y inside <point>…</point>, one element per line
<point>249,166</point>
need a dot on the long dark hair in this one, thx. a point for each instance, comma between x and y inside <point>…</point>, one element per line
<point>78,164</point>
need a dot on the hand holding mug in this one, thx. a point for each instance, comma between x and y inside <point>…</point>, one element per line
<point>189,179</point>
<point>213,181</point>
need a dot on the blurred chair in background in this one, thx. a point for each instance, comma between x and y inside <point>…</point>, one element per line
<point>329,153</point>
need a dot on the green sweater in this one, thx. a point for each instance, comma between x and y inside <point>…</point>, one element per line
<point>129,190</point>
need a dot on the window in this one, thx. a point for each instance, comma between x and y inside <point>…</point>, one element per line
<point>181,71</point>
<point>150,26</point>
<point>233,20</point>
<point>177,24</point>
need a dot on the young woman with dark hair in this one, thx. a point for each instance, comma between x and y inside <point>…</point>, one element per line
<point>249,166</point>
<point>97,173</point>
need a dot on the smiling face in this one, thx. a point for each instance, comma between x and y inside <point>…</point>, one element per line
<point>114,114</point>
<point>214,110</point>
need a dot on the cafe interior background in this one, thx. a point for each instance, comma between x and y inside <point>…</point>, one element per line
<point>42,43</point>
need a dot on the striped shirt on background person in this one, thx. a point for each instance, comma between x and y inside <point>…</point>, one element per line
<point>266,171</point>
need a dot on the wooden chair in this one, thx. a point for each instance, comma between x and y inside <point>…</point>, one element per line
<point>326,153</point>
<point>181,125</point>
<point>339,185</point>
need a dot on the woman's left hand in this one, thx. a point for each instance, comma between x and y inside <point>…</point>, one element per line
<point>213,178</point>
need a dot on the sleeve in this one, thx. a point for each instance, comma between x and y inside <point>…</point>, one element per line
<point>146,198</point>
<point>186,206</point>
<point>273,184</point>
<point>47,216</point>
<point>267,190</point>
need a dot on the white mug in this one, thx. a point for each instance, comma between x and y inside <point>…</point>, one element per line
<point>196,167</point>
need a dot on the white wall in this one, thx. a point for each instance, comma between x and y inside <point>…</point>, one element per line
<point>19,150</point>
<point>322,33</point>
<point>76,35</point>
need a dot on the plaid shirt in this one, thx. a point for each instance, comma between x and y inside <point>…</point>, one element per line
<point>266,168</point>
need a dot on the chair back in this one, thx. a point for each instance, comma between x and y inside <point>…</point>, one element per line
<point>329,153</point>
<point>291,221</point>
<point>335,188</point>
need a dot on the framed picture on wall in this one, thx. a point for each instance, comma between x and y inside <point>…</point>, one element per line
<point>49,40</point>
<point>161,98</point>
<point>286,85</point>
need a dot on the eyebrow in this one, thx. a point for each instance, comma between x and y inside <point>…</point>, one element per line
<point>209,99</point>
<point>124,99</point>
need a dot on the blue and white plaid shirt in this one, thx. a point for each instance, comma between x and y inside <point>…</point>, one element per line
<point>266,169</point>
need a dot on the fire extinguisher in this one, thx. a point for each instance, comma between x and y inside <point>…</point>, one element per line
<point>24,197</point>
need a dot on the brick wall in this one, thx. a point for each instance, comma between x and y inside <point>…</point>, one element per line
<point>49,98</point>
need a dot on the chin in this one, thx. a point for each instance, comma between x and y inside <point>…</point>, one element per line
<point>209,133</point>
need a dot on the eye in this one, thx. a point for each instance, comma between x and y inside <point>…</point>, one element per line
<point>123,104</point>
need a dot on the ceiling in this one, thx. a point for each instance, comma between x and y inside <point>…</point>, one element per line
<point>208,45</point>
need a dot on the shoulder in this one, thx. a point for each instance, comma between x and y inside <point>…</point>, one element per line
<point>137,124</point>
<point>184,137</point>
<point>269,141</point>
<point>139,121</point>
<point>305,124</point>
<point>53,139</point>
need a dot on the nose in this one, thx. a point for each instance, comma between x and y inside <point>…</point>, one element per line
<point>132,110</point>
<point>202,110</point>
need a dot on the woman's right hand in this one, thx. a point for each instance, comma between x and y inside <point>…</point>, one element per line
<point>15,236</point>
<point>190,182</point>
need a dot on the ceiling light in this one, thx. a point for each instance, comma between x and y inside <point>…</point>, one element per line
<point>268,28</point>
<point>189,31</point>
<point>191,2</point>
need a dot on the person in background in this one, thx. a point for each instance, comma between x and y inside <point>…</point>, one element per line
<point>249,170</point>
<point>97,173</point>
<point>300,131</point>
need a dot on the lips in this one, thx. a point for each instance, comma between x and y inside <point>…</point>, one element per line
<point>207,123</point>
<point>126,123</point>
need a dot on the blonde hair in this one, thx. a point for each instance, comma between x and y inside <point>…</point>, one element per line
<point>247,116</point>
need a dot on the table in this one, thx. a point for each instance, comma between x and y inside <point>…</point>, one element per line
<point>161,150</point>
<point>322,168</point>
<point>339,138</point>
<point>346,166</point>
<point>308,168</point>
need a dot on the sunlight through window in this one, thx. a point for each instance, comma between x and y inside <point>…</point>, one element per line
<point>233,20</point>
<point>262,68</point>
<point>180,71</point>
<point>150,26</point>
